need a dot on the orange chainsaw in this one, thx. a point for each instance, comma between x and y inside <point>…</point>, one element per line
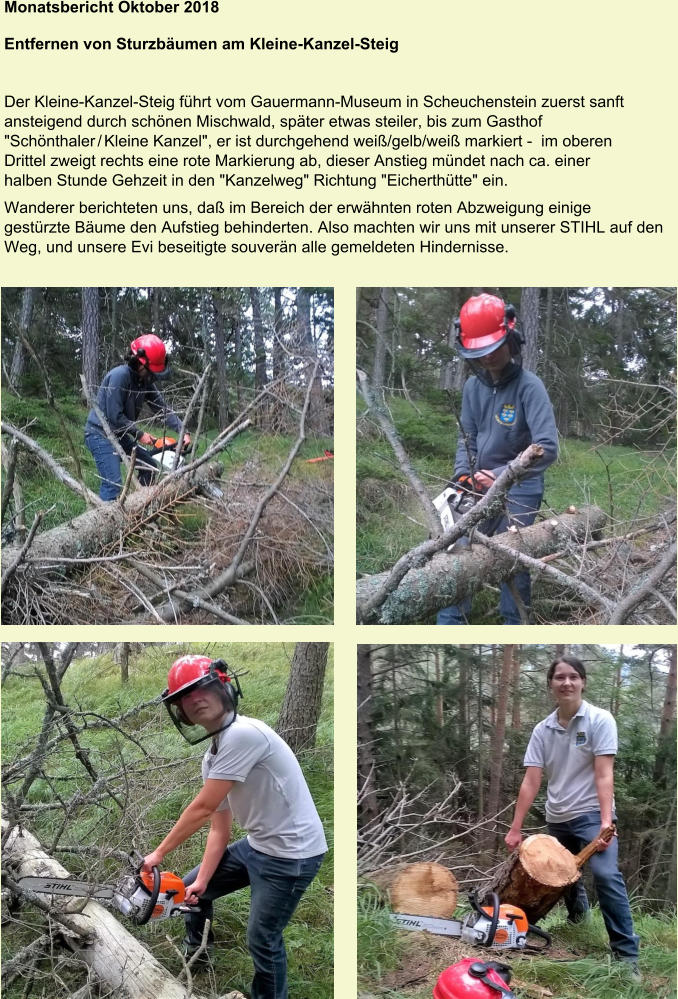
<point>504,927</point>
<point>140,896</point>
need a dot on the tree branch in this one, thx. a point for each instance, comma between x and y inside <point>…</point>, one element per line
<point>625,606</point>
<point>391,435</point>
<point>516,470</point>
<point>55,468</point>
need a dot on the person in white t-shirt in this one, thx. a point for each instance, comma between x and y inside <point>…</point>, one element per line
<point>250,774</point>
<point>575,747</point>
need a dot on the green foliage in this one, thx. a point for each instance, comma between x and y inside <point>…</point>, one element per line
<point>159,782</point>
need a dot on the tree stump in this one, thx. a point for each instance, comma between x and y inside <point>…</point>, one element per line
<point>423,889</point>
<point>538,872</point>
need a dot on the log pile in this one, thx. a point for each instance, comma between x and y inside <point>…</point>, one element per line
<point>538,873</point>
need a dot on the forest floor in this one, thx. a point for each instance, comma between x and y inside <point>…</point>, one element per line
<point>631,485</point>
<point>398,964</point>
<point>156,783</point>
<point>293,547</point>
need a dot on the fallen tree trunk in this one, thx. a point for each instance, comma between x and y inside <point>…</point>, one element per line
<point>448,577</point>
<point>114,955</point>
<point>538,873</point>
<point>423,889</point>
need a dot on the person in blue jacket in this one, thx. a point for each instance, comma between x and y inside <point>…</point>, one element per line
<point>504,409</point>
<point>122,395</point>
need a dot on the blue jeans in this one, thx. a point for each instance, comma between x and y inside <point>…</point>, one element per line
<point>608,881</point>
<point>521,510</point>
<point>108,465</point>
<point>276,884</point>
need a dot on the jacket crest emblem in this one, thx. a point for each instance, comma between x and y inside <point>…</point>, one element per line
<point>506,415</point>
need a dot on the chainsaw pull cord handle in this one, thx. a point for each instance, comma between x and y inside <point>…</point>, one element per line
<point>142,917</point>
<point>479,970</point>
<point>540,933</point>
<point>494,901</point>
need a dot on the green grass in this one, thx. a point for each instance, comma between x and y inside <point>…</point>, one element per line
<point>381,949</point>
<point>158,786</point>
<point>623,481</point>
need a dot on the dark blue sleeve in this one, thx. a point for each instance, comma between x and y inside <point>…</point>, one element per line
<point>112,398</point>
<point>541,421</point>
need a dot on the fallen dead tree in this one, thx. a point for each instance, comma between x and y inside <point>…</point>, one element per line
<point>95,936</point>
<point>449,576</point>
<point>247,548</point>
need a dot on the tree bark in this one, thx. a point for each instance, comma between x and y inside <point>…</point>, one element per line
<point>25,319</point>
<point>278,343</point>
<point>497,748</point>
<point>304,315</point>
<point>368,807</point>
<point>260,378</point>
<point>448,577</point>
<point>384,319</point>
<point>298,719</point>
<point>529,315</point>
<point>91,326</point>
<point>121,659</point>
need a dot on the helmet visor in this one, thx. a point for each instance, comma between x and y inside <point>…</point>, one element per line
<point>481,346</point>
<point>193,732</point>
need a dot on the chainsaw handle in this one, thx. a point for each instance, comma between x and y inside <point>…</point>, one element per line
<point>145,914</point>
<point>141,918</point>
<point>494,902</point>
<point>539,933</point>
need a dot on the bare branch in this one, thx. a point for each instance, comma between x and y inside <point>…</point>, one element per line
<point>61,474</point>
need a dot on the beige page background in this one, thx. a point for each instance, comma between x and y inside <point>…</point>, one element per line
<point>495,49</point>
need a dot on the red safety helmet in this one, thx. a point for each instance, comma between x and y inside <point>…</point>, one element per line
<point>473,979</point>
<point>187,674</point>
<point>151,352</point>
<point>484,324</point>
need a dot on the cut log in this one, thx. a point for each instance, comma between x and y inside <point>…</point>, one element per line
<point>114,955</point>
<point>538,872</point>
<point>448,577</point>
<point>423,889</point>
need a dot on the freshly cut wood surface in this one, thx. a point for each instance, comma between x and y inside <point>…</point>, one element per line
<point>548,861</point>
<point>535,875</point>
<point>423,889</point>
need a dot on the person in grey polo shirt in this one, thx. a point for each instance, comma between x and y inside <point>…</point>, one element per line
<point>575,747</point>
<point>251,775</point>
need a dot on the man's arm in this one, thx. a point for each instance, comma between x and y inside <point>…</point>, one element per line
<point>528,792</point>
<point>195,815</point>
<point>217,841</point>
<point>603,772</point>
